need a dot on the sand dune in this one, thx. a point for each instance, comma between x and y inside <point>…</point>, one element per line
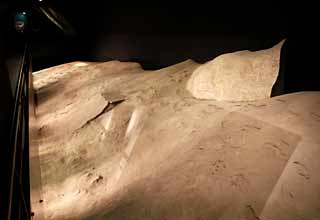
<point>118,142</point>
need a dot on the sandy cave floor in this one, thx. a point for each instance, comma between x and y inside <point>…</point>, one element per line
<point>118,142</point>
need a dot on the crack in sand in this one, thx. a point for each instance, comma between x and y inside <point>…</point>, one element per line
<point>302,170</point>
<point>276,148</point>
<point>253,212</point>
<point>108,107</point>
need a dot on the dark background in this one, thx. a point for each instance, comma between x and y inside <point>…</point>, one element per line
<point>164,34</point>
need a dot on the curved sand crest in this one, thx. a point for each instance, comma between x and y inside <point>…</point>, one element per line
<point>238,76</point>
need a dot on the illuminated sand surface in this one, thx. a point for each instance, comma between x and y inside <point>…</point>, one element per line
<point>118,142</point>
<point>239,76</point>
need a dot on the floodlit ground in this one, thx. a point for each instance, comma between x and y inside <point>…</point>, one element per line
<point>118,142</point>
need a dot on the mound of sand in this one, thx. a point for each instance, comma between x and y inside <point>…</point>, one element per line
<point>238,76</point>
<point>118,142</point>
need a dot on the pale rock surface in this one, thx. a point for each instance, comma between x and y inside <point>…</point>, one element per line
<point>117,142</point>
<point>238,76</point>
